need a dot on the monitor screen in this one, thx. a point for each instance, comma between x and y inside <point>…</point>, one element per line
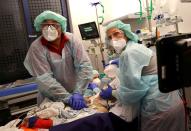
<point>88,31</point>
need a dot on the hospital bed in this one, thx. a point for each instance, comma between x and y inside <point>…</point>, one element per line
<point>17,100</point>
<point>23,99</point>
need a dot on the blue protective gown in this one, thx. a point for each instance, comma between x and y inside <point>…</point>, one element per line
<point>159,111</point>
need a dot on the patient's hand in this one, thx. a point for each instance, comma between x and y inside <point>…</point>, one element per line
<point>97,103</point>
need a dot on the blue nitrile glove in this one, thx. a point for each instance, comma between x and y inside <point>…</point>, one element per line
<point>115,62</point>
<point>107,93</point>
<point>92,86</point>
<point>77,101</point>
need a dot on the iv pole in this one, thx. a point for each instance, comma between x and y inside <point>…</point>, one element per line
<point>100,41</point>
<point>148,13</point>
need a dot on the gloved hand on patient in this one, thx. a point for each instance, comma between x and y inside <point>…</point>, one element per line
<point>77,101</point>
<point>106,93</point>
<point>92,86</point>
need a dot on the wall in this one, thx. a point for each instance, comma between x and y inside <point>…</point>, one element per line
<point>118,8</point>
<point>80,12</point>
<point>184,11</point>
<point>177,8</point>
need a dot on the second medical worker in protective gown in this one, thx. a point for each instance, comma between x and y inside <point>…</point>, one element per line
<point>139,83</point>
<point>59,61</point>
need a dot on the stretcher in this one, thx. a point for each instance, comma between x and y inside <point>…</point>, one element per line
<point>8,93</point>
<point>20,98</point>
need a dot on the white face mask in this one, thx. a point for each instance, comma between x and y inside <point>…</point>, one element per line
<point>50,33</point>
<point>118,45</point>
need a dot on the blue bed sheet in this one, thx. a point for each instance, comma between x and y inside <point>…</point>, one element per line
<point>19,89</point>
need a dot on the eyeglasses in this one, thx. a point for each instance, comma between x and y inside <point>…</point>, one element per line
<point>55,25</point>
<point>115,34</point>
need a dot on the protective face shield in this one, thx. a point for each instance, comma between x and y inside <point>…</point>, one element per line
<point>50,33</point>
<point>118,45</point>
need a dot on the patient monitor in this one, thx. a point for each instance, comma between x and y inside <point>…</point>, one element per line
<point>88,31</point>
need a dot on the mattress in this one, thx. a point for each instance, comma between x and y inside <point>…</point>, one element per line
<point>18,90</point>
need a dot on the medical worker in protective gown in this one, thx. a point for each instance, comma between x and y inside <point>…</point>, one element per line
<point>139,83</point>
<point>59,61</point>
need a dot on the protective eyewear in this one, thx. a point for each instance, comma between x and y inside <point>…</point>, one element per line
<point>115,35</point>
<point>55,25</point>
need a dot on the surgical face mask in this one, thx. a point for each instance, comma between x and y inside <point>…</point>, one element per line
<point>50,33</point>
<point>118,45</point>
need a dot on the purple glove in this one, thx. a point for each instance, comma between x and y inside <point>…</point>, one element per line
<point>107,93</point>
<point>106,65</point>
<point>92,86</point>
<point>77,101</point>
<point>115,62</point>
